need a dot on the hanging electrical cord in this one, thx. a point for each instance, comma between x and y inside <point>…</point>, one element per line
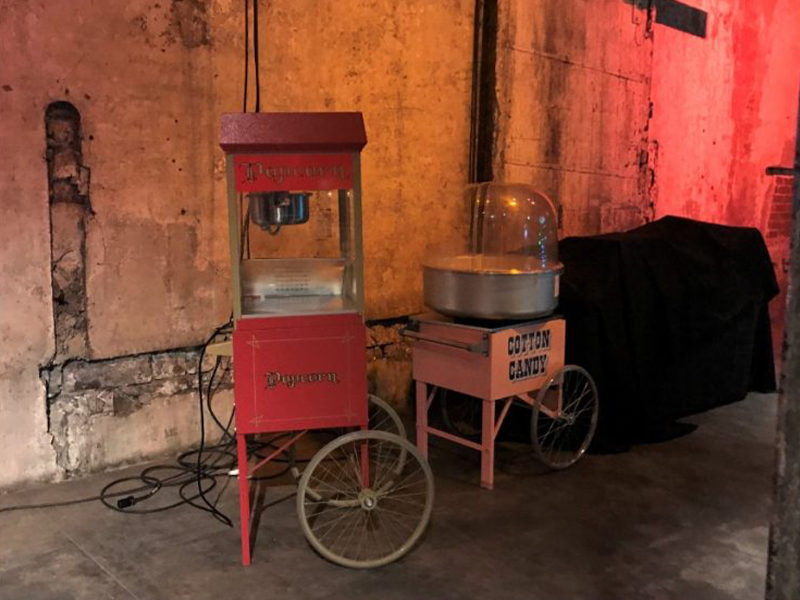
<point>200,472</point>
<point>256,55</point>
<point>246,53</point>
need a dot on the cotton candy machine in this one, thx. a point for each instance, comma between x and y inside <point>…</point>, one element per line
<point>496,339</point>
<point>507,267</point>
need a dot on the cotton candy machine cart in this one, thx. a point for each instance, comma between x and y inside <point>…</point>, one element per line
<point>494,339</point>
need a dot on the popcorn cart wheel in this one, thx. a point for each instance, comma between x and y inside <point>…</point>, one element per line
<point>564,417</point>
<point>361,525</point>
<point>383,417</point>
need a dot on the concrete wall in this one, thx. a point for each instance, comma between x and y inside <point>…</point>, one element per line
<point>150,80</point>
<point>575,82</point>
<point>725,108</point>
<point>622,120</point>
<point>573,90</point>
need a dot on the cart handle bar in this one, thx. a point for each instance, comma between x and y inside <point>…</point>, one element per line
<point>479,348</point>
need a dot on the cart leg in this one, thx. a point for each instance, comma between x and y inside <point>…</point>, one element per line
<point>487,444</point>
<point>244,497</point>
<point>422,418</point>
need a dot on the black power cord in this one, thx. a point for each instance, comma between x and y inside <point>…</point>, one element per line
<point>255,55</point>
<point>246,53</point>
<point>201,475</point>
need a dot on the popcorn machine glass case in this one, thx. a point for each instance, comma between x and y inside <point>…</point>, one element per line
<point>295,212</point>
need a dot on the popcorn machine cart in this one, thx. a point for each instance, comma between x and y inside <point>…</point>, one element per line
<point>299,347</point>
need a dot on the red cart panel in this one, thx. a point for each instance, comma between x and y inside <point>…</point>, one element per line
<point>304,372</point>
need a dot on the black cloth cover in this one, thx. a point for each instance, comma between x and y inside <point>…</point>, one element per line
<point>670,319</point>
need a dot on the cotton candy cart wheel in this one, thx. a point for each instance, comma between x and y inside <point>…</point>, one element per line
<point>564,417</point>
<point>365,518</point>
<point>461,414</point>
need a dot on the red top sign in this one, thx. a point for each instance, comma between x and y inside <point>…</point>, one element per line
<point>276,172</point>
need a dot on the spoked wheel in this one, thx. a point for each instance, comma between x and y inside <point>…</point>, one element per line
<point>383,417</point>
<point>564,417</point>
<point>461,414</point>
<point>361,506</point>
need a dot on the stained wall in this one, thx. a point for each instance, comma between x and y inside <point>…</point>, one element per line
<point>724,109</point>
<point>573,89</point>
<point>150,80</point>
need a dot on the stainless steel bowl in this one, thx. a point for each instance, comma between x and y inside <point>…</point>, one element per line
<point>269,209</point>
<point>491,294</point>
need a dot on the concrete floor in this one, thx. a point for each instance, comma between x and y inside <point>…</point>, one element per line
<point>687,518</point>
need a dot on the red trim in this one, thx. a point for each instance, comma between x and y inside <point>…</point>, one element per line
<point>292,132</point>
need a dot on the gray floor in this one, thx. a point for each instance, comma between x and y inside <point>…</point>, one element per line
<point>686,518</point>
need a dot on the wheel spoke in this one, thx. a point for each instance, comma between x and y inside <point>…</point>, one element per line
<point>364,532</point>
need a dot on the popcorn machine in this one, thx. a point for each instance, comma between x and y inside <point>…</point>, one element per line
<point>299,341</point>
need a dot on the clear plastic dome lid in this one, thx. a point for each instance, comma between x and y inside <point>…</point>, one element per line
<point>512,228</point>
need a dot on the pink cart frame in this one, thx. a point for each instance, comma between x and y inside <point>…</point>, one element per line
<point>477,362</point>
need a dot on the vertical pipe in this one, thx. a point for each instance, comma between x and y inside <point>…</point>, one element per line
<point>484,98</point>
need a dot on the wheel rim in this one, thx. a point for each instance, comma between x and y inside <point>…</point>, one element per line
<point>358,525</point>
<point>383,417</point>
<point>461,415</point>
<point>560,439</point>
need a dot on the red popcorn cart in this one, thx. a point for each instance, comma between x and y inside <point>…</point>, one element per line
<point>299,340</point>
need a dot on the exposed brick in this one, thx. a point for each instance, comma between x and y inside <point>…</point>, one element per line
<point>82,375</point>
<point>400,351</point>
<point>382,335</point>
<point>174,364</point>
<point>97,402</point>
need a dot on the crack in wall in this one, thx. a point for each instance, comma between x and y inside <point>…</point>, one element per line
<point>68,185</point>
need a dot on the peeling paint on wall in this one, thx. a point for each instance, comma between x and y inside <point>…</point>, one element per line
<point>80,392</point>
<point>68,188</point>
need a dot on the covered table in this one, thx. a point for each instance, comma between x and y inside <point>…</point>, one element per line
<point>670,318</point>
